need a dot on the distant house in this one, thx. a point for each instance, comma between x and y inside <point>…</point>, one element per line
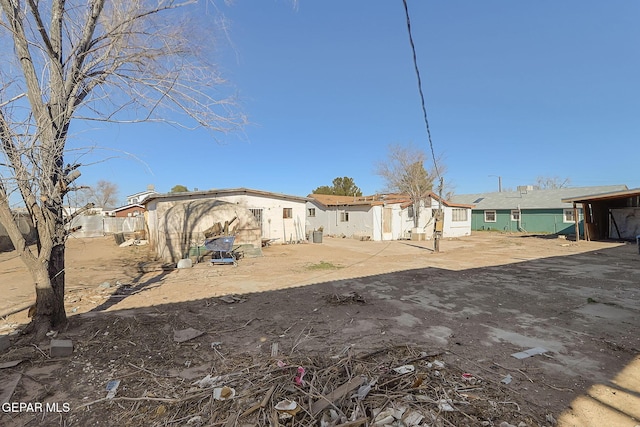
<point>177,221</point>
<point>128,211</point>
<point>384,217</point>
<point>529,210</point>
<point>138,198</point>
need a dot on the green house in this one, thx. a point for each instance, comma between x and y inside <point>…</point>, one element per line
<point>529,210</point>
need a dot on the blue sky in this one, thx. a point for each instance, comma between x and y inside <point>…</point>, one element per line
<point>513,89</point>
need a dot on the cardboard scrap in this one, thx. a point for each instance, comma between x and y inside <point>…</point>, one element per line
<point>529,353</point>
<point>8,387</point>
<point>336,394</point>
<point>11,364</point>
<point>186,334</point>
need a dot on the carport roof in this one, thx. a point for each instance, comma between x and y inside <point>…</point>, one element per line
<point>634,192</point>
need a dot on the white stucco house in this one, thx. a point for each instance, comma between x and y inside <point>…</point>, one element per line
<point>177,221</point>
<point>138,198</point>
<point>384,217</point>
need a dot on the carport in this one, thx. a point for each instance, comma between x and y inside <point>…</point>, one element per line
<point>613,215</point>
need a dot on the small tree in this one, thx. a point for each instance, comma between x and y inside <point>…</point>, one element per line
<point>104,194</point>
<point>179,189</point>
<point>69,60</point>
<point>404,172</point>
<point>342,186</point>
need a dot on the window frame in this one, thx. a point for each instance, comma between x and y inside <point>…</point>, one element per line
<point>495,216</point>
<point>311,212</point>
<point>571,211</point>
<point>344,216</point>
<point>455,217</point>
<point>287,213</point>
<point>516,215</point>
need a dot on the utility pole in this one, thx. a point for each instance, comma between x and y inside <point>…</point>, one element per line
<point>439,224</point>
<point>499,182</point>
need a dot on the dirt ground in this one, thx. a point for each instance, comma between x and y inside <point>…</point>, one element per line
<point>348,313</point>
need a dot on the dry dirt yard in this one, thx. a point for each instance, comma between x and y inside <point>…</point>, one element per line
<point>355,333</point>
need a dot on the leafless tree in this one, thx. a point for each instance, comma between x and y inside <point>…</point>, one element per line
<point>70,60</point>
<point>551,182</point>
<point>404,172</point>
<point>105,194</point>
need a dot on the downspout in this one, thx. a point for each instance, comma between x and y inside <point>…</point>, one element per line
<point>520,228</point>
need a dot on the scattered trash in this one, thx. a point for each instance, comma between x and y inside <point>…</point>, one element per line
<point>52,334</point>
<point>8,387</point>
<point>112,388</point>
<point>223,393</point>
<point>232,299</point>
<point>412,418</point>
<point>197,420</point>
<point>185,263</point>
<point>216,344</point>
<point>129,242</point>
<point>186,334</point>
<point>105,285</point>
<point>446,405</point>
<point>287,409</point>
<point>209,381</point>
<point>468,377</point>
<point>529,353</point>
<point>298,379</point>
<point>281,364</point>
<point>364,390</point>
<point>349,298</point>
<point>383,417</point>
<point>11,364</point>
<point>405,369</point>
<point>507,379</point>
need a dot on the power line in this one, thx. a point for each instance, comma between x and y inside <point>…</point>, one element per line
<point>424,108</point>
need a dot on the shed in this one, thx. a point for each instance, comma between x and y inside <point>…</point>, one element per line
<point>612,215</point>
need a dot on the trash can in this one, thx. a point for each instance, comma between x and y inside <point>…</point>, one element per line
<point>317,237</point>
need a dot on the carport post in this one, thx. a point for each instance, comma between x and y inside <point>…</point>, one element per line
<point>577,220</point>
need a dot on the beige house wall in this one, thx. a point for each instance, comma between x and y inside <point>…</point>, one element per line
<point>177,225</point>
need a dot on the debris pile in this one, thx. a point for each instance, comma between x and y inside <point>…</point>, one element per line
<point>397,386</point>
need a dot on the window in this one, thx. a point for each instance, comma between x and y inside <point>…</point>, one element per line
<point>311,212</point>
<point>287,212</point>
<point>567,215</point>
<point>410,212</point>
<point>515,215</point>
<point>489,216</point>
<point>344,216</point>
<point>257,213</point>
<point>458,214</point>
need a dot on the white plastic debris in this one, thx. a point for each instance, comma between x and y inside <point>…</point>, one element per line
<point>404,369</point>
<point>197,420</point>
<point>507,379</point>
<point>209,381</point>
<point>529,353</point>
<point>412,418</point>
<point>112,388</point>
<point>445,405</point>
<point>223,393</point>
